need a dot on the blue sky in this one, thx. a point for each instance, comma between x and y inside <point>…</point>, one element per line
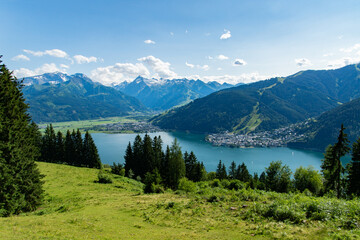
<point>232,41</point>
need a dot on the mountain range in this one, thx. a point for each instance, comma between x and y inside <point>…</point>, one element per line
<point>268,104</point>
<point>163,94</point>
<point>58,97</point>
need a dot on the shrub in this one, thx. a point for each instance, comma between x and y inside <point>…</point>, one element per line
<point>118,169</point>
<point>235,185</point>
<point>186,185</point>
<point>103,177</point>
<point>215,183</point>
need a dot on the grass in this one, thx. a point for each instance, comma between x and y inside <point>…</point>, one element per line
<point>86,124</point>
<point>76,207</point>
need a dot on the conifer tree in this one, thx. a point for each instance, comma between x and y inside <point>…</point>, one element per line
<point>232,170</point>
<point>221,171</point>
<point>332,168</point>
<point>176,165</point>
<point>165,166</point>
<point>90,153</point>
<point>191,164</point>
<point>138,165</point>
<point>69,149</point>
<point>78,146</point>
<point>129,160</point>
<point>59,148</point>
<point>48,146</point>
<point>158,153</point>
<point>353,179</point>
<point>242,173</point>
<point>20,179</point>
<point>148,158</point>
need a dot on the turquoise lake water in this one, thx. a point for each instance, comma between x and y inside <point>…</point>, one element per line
<point>112,148</point>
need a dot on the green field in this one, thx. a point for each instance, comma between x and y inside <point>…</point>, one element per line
<point>76,207</point>
<point>87,124</point>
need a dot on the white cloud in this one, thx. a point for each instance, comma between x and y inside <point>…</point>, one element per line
<point>219,69</point>
<point>351,49</point>
<point>233,79</point>
<point>302,62</point>
<point>203,67</point>
<point>222,57</point>
<point>328,54</point>
<point>239,62</point>
<point>149,41</point>
<point>80,59</point>
<point>225,35</point>
<point>46,68</point>
<point>342,62</point>
<point>161,69</point>
<point>189,65</point>
<point>53,52</point>
<point>118,73</point>
<point>64,66</point>
<point>20,57</point>
<point>210,57</point>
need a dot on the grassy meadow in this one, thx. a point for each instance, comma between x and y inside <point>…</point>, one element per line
<point>86,124</point>
<point>77,207</point>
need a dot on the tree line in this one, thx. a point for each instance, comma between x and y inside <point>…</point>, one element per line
<point>334,178</point>
<point>71,149</point>
<point>145,160</point>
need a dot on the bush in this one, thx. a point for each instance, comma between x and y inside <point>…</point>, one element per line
<point>235,185</point>
<point>187,185</point>
<point>215,183</point>
<point>211,176</point>
<point>103,177</point>
<point>118,169</point>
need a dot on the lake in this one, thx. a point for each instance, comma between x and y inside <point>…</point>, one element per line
<point>112,147</point>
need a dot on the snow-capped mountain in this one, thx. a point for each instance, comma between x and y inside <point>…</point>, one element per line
<point>52,78</point>
<point>162,94</point>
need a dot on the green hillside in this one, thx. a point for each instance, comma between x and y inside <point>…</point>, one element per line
<point>324,130</point>
<point>76,207</point>
<point>77,99</point>
<point>267,104</point>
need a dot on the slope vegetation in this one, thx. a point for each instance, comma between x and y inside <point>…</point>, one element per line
<point>324,130</point>
<point>76,207</point>
<point>267,104</point>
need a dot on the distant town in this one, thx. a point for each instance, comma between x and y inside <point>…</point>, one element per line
<point>276,138</point>
<point>121,127</point>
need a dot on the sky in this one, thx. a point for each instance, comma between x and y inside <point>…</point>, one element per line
<point>226,41</point>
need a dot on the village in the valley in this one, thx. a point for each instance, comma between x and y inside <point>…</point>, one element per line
<point>276,138</point>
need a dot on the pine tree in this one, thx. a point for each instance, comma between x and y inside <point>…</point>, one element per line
<point>242,173</point>
<point>176,165</point>
<point>353,179</point>
<point>69,149</point>
<point>191,164</point>
<point>148,157</point>
<point>137,154</point>
<point>332,168</point>
<point>59,148</point>
<point>90,153</point>
<point>129,159</point>
<point>221,171</point>
<point>20,179</point>
<point>165,166</point>
<point>158,153</point>
<point>232,170</point>
<point>78,147</point>
<point>48,145</point>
